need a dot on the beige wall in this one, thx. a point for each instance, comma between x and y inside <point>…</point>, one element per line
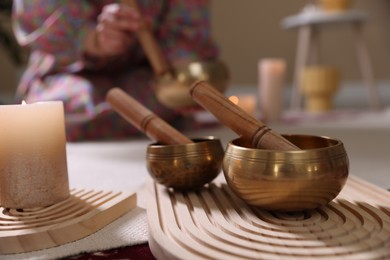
<point>249,30</point>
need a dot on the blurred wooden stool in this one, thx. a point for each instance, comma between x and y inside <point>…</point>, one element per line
<point>308,24</point>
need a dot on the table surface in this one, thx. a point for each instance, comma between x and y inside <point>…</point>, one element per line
<point>121,165</point>
<point>321,18</point>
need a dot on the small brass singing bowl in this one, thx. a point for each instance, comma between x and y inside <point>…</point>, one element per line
<point>185,166</point>
<point>173,92</point>
<point>287,180</point>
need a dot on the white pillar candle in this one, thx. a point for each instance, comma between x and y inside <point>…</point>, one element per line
<point>271,81</point>
<point>33,166</point>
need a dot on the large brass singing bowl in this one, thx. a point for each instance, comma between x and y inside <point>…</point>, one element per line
<point>173,92</point>
<point>185,166</point>
<point>287,180</point>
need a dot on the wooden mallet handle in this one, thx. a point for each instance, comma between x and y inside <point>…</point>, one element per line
<point>258,134</point>
<point>143,119</point>
<point>149,45</point>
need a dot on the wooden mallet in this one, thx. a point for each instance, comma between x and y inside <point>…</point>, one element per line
<point>144,119</point>
<point>251,129</point>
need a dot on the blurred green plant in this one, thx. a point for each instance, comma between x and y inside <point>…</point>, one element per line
<point>7,38</point>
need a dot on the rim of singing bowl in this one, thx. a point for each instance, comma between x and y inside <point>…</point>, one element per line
<point>308,144</point>
<point>174,92</point>
<point>203,70</point>
<point>314,148</point>
<point>157,148</point>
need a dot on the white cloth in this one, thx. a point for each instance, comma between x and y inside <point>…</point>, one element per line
<point>130,229</point>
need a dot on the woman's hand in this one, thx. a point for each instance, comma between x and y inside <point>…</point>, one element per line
<point>115,31</point>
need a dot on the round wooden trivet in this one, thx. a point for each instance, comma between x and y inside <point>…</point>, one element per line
<point>214,223</point>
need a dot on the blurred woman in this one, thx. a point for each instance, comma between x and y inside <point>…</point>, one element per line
<point>81,49</point>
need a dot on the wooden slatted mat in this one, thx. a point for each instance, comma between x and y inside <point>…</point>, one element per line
<point>82,214</point>
<point>214,224</point>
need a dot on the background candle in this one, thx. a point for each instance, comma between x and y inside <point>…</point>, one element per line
<point>271,80</point>
<point>33,166</point>
<point>246,102</point>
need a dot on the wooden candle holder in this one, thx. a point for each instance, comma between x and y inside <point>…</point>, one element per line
<point>257,133</point>
<point>144,119</point>
<point>82,214</point>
